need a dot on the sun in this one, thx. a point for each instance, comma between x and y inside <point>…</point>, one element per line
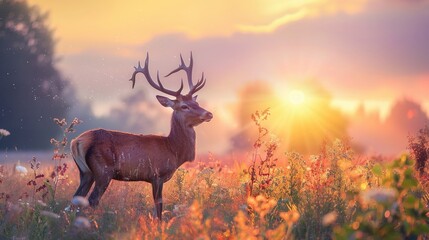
<point>296,97</point>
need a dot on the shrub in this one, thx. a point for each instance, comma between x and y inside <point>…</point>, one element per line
<point>395,210</point>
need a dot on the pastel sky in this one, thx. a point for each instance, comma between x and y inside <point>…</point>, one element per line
<point>362,51</point>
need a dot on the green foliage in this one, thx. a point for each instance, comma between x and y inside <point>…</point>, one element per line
<point>395,210</point>
<point>419,147</point>
<point>315,187</point>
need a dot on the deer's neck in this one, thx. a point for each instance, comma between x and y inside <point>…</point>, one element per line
<point>182,140</point>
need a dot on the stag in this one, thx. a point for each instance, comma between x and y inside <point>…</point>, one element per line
<point>102,155</point>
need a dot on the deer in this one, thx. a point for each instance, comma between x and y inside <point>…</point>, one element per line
<point>104,155</point>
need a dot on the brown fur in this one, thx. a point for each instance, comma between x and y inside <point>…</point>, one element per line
<point>103,155</point>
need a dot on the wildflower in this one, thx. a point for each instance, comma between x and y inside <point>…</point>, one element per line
<point>381,195</point>
<point>21,169</point>
<point>70,129</point>
<point>61,122</point>
<point>295,216</point>
<point>290,216</point>
<point>14,209</point>
<point>82,222</point>
<point>41,203</point>
<point>54,142</point>
<point>76,121</point>
<point>314,158</point>
<point>4,133</point>
<point>251,202</point>
<point>387,214</point>
<point>50,214</point>
<point>355,225</point>
<point>344,164</point>
<point>329,218</point>
<point>355,174</point>
<point>41,188</point>
<point>34,163</point>
<point>272,203</point>
<point>31,182</point>
<point>260,198</point>
<point>68,208</point>
<point>179,209</point>
<point>80,201</point>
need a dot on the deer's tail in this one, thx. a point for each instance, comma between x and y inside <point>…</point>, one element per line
<point>78,153</point>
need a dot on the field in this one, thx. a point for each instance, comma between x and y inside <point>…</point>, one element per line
<point>262,195</point>
<point>285,119</point>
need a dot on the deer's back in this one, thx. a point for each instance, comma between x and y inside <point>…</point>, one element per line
<point>127,156</point>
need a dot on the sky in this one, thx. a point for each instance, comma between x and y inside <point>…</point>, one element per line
<point>363,52</point>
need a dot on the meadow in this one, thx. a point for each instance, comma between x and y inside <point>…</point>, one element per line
<point>265,194</point>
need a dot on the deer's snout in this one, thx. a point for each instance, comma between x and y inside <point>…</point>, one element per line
<point>207,116</point>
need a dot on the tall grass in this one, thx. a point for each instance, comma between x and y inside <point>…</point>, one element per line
<point>333,194</point>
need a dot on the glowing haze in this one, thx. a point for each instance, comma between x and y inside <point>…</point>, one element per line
<point>104,24</point>
<point>366,54</point>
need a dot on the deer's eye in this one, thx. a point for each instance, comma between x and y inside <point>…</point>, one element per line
<point>184,107</point>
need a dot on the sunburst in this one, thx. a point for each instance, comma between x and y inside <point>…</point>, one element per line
<point>296,97</point>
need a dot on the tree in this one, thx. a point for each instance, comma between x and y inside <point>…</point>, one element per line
<point>406,116</point>
<point>32,90</point>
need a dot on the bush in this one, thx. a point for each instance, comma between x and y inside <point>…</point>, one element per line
<point>395,210</point>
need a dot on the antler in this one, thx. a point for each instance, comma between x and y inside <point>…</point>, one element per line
<point>160,87</point>
<point>188,69</point>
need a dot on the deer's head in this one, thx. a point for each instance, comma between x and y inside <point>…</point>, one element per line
<point>185,107</point>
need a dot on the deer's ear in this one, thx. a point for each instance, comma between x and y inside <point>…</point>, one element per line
<point>195,97</point>
<point>166,102</point>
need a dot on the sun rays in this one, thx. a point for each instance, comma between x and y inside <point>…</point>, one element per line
<point>302,116</point>
<point>296,97</point>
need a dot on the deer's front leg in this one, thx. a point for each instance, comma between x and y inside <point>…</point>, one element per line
<point>157,196</point>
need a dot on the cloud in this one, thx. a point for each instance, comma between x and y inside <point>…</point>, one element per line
<point>108,23</point>
<point>379,43</point>
<point>275,24</point>
<point>296,10</point>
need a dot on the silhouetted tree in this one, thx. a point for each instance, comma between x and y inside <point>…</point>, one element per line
<point>407,115</point>
<point>32,91</point>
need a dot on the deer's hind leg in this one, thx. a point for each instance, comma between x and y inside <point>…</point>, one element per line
<point>102,167</point>
<point>101,185</point>
<point>86,181</point>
